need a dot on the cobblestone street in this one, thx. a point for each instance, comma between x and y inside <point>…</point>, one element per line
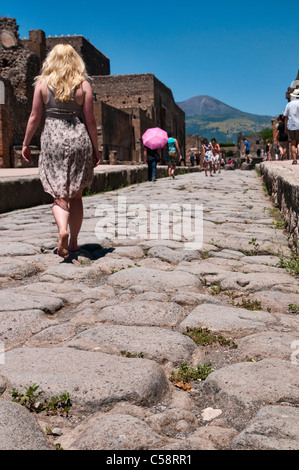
<point>106,325</point>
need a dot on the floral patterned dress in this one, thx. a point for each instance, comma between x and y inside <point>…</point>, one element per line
<point>65,162</point>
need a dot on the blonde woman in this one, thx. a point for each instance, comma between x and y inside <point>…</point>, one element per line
<point>69,148</point>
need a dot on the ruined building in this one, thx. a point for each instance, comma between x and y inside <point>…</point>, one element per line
<point>125,105</point>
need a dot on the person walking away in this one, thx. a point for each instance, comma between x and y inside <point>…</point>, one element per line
<point>281,138</point>
<point>216,153</point>
<point>208,156</point>
<point>151,157</point>
<point>69,147</point>
<point>171,153</point>
<point>246,149</point>
<point>192,158</point>
<point>268,150</point>
<point>291,114</point>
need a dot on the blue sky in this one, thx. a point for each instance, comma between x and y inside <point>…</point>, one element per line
<point>245,54</point>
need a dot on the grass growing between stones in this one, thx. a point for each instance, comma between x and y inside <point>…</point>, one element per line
<point>187,374</point>
<point>31,400</point>
<point>291,265</point>
<point>245,303</point>
<point>204,337</point>
<point>278,221</point>
<point>128,354</point>
<point>293,308</point>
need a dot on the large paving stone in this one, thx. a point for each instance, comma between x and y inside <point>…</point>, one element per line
<point>240,389</point>
<point>253,282</point>
<point>161,280</point>
<point>266,345</point>
<point>156,343</point>
<point>65,272</point>
<point>92,379</point>
<point>172,256</point>
<point>16,268</point>
<point>114,432</point>
<point>276,302</point>
<point>17,249</point>
<point>273,428</point>
<point>221,318</point>
<point>19,429</point>
<point>142,312</point>
<point>12,300</point>
<point>18,326</point>
<point>133,252</point>
<point>57,334</point>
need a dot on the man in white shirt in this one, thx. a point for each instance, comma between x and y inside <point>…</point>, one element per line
<point>291,114</point>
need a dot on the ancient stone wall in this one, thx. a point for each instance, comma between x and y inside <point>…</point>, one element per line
<point>6,130</point>
<point>115,132</point>
<point>282,186</point>
<point>96,62</point>
<point>147,93</point>
<point>142,101</point>
<point>126,91</point>
<point>169,116</point>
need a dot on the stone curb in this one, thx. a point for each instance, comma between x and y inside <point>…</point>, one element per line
<point>283,187</point>
<point>27,191</point>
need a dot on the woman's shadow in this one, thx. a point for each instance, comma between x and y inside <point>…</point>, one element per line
<point>92,251</point>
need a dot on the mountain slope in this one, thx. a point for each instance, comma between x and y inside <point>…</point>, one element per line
<point>209,117</point>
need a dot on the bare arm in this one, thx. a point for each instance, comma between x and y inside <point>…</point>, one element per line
<point>33,121</point>
<point>286,125</point>
<point>177,147</point>
<point>90,121</point>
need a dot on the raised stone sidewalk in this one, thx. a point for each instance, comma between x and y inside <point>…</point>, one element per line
<point>282,182</point>
<point>75,326</point>
<point>21,187</point>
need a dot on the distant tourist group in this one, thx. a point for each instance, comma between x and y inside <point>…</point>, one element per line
<point>209,157</point>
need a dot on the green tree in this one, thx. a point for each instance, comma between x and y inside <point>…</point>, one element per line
<point>267,133</point>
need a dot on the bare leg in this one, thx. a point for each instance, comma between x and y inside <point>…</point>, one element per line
<point>294,150</point>
<point>75,220</point>
<point>61,215</point>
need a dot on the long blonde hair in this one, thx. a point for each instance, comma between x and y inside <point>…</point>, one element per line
<point>63,70</point>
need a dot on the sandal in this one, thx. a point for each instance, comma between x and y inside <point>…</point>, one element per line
<point>294,162</point>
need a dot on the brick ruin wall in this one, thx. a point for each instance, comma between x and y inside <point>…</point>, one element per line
<point>115,132</point>
<point>146,99</point>
<point>134,102</point>
<point>18,68</point>
<point>96,62</point>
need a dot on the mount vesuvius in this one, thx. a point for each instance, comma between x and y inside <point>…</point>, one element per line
<point>209,117</point>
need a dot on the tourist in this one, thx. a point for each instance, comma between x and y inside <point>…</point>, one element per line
<point>268,150</point>
<point>291,114</point>
<point>216,154</point>
<point>69,146</point>
<point>197,158</point>
<point>208,156</point>
<point>192,158</point>
<point>246,149</point>
<point>151,157</point>
<point>171,154</point>
<point>281,137</point>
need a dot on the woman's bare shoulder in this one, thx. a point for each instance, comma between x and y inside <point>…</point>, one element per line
<point>86,85</point>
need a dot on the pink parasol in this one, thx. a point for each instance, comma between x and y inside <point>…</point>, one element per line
<point>155,138</point>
